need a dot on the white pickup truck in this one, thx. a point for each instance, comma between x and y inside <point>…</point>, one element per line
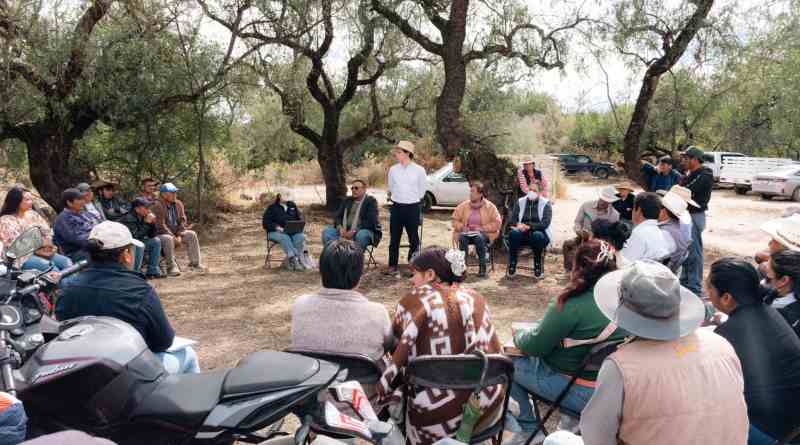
<point>740,171</point>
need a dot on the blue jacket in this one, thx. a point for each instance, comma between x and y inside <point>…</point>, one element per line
<point>657,181</point>
<point>70,232</point>
<point>112,290</point>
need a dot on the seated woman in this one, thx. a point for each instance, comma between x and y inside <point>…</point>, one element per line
<point>563,338</point>
<point>324,321</point>
<point>439,317</point>
<point>274,222</point>
<point>767,347</point>
<point>16,216</point>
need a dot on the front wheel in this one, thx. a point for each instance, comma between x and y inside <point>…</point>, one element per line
<point>766,197</point>
<point>428,201</point>
<point>741,190</point>
<point>602,173</point>
<point>796,194</point>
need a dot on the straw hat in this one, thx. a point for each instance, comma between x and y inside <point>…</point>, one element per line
<point>627,185</point>
<point>528,159</point>
<point>685,194</point>
<point>609,194</point>
<point>785,231</point>
<point>406,146</point>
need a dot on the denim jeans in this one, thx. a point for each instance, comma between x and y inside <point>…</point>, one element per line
<point>59,262</point>
<point>153,248</point>
<point>363,237</point>
<point>531,374</point>
<point>292,245</point>
<point>182,361</point>
<point>536,239</point>
<point>480,242</point>
<point>13,422</point>
<point>692,275</point>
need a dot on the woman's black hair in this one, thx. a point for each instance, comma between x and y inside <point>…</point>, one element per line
<point>98,255</point>
<point>738,278</point>
<point>786,263</point>
<point>433,258</point>
<point>341,264</point>
<point>615,233</point>
<point>12,202</point>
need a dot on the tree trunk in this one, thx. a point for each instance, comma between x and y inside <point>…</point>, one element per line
<point>449,129</point>
<point>631,143</point>
<point>49,165</point>
<point>331,162</point>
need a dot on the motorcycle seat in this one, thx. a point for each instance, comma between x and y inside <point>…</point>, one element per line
<point>183,399</point>
<point>267,371</point>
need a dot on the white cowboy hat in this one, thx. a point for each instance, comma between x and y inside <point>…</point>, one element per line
<point>646,299</point>
<point>785,231</point>
<point>609,194</point>
<point>685,194</point>
<point>675,203</point>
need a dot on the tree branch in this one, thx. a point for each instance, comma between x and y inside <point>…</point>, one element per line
<point>406,28</point>
<point>81,36</point>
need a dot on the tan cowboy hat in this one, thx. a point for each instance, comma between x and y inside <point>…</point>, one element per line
<point>685,194</point>
<point>609,194</point>
<point>785,231</point>
<point>405,146</point>
<point>627,185</point>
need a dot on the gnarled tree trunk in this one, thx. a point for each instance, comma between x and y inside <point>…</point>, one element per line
<point>331,162</point>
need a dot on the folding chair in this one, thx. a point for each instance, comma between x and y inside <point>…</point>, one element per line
<point>525,251</point>
<point>464,372</point>
<point>371,261</point>
<point>489,253</point>
<point>270,258</point>
<point>591,362</point>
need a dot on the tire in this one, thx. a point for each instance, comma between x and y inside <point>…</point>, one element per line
<point>428,201</point>
<point>741,190</point>
<point>796,194</point>
<point>766,197</point>
<point>602,173</point>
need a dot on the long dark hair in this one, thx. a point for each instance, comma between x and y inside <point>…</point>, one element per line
<point>433,258</point>
<point>593,259</point>
<point>13,200</point>
<point>738,278</point>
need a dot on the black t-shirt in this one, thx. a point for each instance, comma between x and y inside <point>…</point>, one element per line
<point>625,207</point>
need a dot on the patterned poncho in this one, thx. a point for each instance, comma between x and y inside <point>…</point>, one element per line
<point>439,321</point>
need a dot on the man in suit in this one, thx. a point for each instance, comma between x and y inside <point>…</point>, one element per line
<point>356,219</point>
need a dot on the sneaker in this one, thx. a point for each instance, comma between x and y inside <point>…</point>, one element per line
<point>198,268</point>
<point>307,261</point>
<point>567,423</point>
<point>153,276</point>
<point>521,438</point>
<point>390,270</point>
<point>482,271</point>
<point>512,269</point>
<point>294,264</point>
<point>173,273</point>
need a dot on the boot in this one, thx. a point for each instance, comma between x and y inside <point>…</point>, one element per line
<point>538,265</point>
<point>512,268</point>
<point>482,270</point>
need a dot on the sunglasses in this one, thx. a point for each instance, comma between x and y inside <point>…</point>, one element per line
<point>355,187</point>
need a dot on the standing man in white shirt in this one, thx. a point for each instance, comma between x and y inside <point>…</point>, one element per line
<point>407,184</point>
<point>647,241</point>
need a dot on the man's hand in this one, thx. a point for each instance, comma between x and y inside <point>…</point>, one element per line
<point>350,234</point>
<point>762,257</point>
<point>523,227</point>
<point>55,277</point>
<point>178,240</point>
<point>150,218</point>
<point>189,226</point>
<point>279,229</point>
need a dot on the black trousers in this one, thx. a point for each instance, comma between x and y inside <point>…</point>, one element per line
<point>408,217</point>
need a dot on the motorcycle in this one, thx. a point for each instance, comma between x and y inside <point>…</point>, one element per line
<point>96,374</point>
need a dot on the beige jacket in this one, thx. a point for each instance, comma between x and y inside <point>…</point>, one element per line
<point>490,219</point>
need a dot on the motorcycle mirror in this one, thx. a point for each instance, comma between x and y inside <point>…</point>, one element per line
<point>26,243</point>
<point>10,318</point>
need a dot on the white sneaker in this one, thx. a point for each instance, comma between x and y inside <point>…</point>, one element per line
<point>521,437</point>
<point>307,261</point>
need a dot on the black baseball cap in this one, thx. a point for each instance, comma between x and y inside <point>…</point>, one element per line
<point>140,202</point>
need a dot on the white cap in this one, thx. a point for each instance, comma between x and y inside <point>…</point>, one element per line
<point>113,235</point>
<point>609,194</point>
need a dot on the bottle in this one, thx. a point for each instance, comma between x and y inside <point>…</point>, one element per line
<point>469,418</point>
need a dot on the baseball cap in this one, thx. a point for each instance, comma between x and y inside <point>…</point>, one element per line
<point>140,202</point>
<point>694,152</point>
<point>113,235</point>
<point>665,160</point>
<point>168,187</point>
<point>83,187</point>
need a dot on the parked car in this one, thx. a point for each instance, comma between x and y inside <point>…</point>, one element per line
<point>446,188</point>
<point>739,171</point>
<point>573,163</point>
<point>715,159</point>
<point>784,182</point>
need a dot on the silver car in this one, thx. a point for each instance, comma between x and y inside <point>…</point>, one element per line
<point>784,181</point>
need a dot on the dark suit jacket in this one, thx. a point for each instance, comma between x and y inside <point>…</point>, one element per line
<point>368,219</point>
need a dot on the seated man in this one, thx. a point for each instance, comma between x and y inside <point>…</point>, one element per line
<point>590,211</point>
<point>476,221</point>
<point>356,219</point>
<point>149,187</point>
<point>72,227</point>
<point>142,224</point>
<point>531,179</point>
<point>647,241</point>
<point>661,177</point>
<point>530,224</point>
<point>112,207</point>
<point>767,347</point>
<point>275,220</point>
<point>93,212</point>
<point>778,242</point>
<point>676,223</point>
<point>173,230</point>
<point>676,384</point>
<point>108,287</point>
<point>783,276</point>
<point>313,328</point>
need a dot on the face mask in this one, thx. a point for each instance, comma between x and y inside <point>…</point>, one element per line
<point>533,196</point>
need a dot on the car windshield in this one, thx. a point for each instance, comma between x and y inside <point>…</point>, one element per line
<point>442,171</point>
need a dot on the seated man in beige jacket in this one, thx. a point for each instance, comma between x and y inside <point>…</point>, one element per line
<point>173,230</point>
<point>477,222</point>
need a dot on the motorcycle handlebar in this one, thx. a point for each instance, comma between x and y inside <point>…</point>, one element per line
<point>64,273</point>
<point>77,267</point>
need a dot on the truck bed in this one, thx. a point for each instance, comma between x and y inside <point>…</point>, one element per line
<point>740,171</point>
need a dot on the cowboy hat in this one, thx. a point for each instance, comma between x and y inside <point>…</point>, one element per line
<point>627,185</point>
<point>609,194</point>
<point>528,159</point>
<point>685,194</point>
<point>646,299</point>
<point>677,205</point>
<point>785,231</point>
<point>405,146</point>
<point>99,184</point>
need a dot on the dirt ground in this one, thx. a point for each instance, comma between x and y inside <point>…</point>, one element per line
<point>239,307</point>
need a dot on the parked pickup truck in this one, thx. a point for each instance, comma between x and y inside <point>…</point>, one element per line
<point>740,171</point>
<point>574,163</point>
<point>715,159</point>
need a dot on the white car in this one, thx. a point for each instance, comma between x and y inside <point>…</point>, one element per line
<point>446,188</point>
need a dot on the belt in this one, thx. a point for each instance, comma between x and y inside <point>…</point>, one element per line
<point>400,204</point>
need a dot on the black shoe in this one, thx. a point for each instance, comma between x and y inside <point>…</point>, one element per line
<point>482,271</point>
<point>152,276</point>
<point>538,265</point>
<point>512,269</point>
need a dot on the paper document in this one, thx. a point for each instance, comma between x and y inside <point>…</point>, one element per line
<point>179,343</point>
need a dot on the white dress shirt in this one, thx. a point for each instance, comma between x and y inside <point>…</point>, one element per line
<point>407,184</point>
<point>647,242</point>
<point>782,302</point>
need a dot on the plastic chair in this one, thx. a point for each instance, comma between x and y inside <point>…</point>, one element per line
<point>464,372</point>
<point>591,362</point>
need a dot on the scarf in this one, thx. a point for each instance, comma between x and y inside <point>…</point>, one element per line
<point>357,218</point>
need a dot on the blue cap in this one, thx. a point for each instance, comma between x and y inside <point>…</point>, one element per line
<point>168,187</point>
